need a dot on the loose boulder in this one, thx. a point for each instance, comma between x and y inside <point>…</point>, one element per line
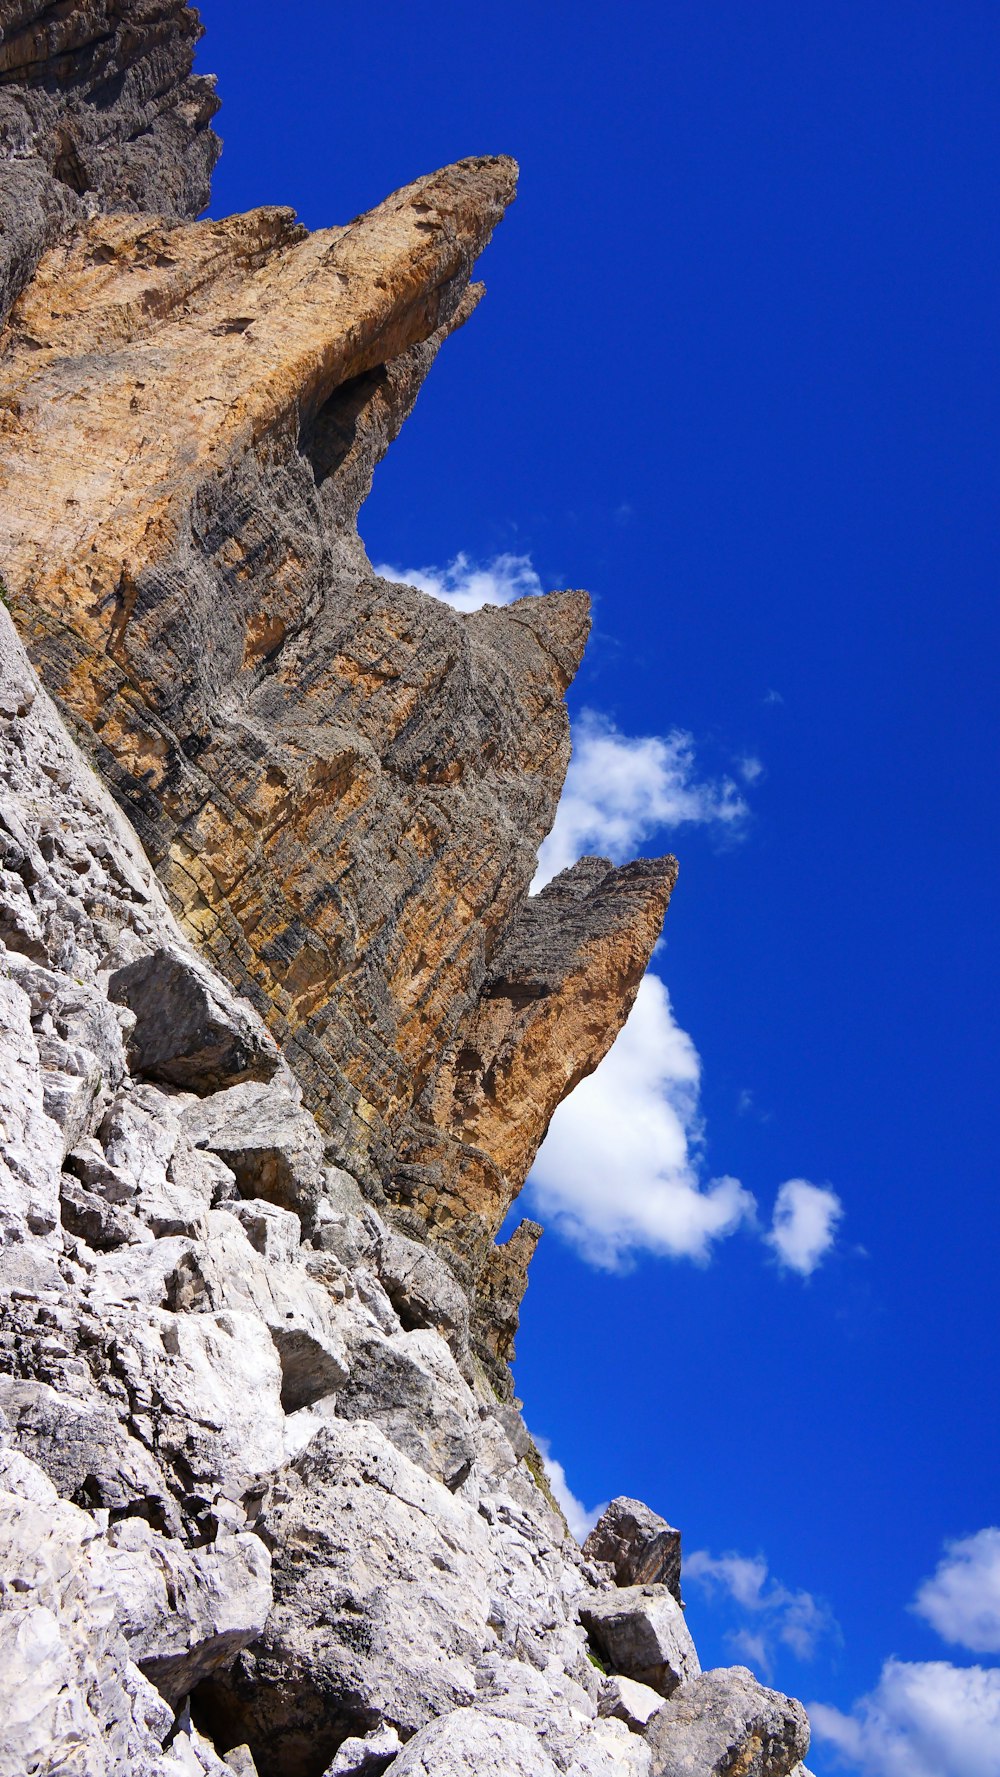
<point>641,1632</point>
<point>726,1724</point>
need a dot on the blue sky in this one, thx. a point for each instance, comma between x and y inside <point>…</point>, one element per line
<point>736,373</point>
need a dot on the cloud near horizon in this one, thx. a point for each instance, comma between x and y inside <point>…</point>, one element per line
<point>773,1614</point>
<point>466,585</point>
<point>925,1718</point>
<point>930,1718</point>
<point>622,789</point>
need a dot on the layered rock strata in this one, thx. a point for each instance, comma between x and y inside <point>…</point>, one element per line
<point>266,1506</point>
<point>342,783</point>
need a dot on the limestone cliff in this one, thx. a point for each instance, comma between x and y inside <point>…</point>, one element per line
<point>266,1505</point>
<point>342,784</point>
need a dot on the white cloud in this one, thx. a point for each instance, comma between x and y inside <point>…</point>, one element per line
<point>962,1599</point>
<point>621,789</point>
<point>804,1224</point>
<point>616,1174</point>
<point>750,768</point>
<point>581,1521</point>
<point>924,1719</point>
<point>795,1619</point>
<point>465,585</point>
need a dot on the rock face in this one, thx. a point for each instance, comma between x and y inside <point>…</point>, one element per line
<point>99,109</point>
<point>266,1504</point>
<point>341,783</point>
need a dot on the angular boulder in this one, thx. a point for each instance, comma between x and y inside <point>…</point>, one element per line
<point>641,1632</point>
<point>189,1031</point>
<point>726,1724</point>
<point>642,1548</point>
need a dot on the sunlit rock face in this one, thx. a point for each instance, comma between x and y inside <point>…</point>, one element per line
<point>341,782</point>
<point>266,1503</point>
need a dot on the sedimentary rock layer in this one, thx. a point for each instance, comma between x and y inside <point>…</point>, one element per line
<point>342,783</point>
<point>99,109</point>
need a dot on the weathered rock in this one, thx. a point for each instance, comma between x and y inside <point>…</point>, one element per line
<point>628,1701</point>
<point>410,1387</point>
<point>642,1633</point>
<point>366,1756</point>
<point>184,1612</point>
<point>98,108</point>
<point>380,1604</point>
<point>423,1289</point>
<point>270,1143</point>
<point>70,1698</point>
<point>642,1548</point>
<point>726,1724</point>
<point>470,1743</point>
<point>188,1030</point>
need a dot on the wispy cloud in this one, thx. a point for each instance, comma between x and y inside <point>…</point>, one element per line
<point>768,1614</point>
<point>580,1519</point>
<point>465,584</point>
<point>923,1719</point>
<point>622,789</point>
<point>750,768</point>
<point>617,1171</point>
<point>962,1598</point>
<point>804,1225</point>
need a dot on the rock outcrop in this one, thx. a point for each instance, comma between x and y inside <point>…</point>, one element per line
<point>271,1079</point>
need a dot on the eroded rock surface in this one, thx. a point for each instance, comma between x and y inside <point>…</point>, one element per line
<point>266,1504</point>
<point>342,783</point>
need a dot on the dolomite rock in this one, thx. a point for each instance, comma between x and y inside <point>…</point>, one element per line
<point>641,1548</point>
<point>98,106</point>
<point>186,1032</point>
<point>368,1756</point>
<point>628,1701</point>
<point>469,1743</point>
<point>642,1633</point>
<point>184,1612</point>
<point>726,1724</point>
<point>341,782</point>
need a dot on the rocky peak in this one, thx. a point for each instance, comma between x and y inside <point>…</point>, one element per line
<point>281,1025</point>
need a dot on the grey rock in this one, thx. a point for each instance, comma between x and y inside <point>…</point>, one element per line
<point>380,1603</point>
<point>101,1224</point>
<point>81,1444</point>
<point>470,1743</point>
<point>641,1631</point>
<point>190,1031</point>
<point>642,1548</point>
<point>274,1233</point>
<point>271,1144</point>
<point>628,1701</point>
<point>366,1756</point>
<point>609,1749</point>
<point>410,1387</point>
<point>70,1697</point>
<point>241,1760</point>
<point>184,1612</point>
<point>726,1724</point>
<point>423,1289</point>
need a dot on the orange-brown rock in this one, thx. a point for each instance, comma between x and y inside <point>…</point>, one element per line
<point>342,783</point>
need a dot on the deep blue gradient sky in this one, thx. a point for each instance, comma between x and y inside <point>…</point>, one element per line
<point>736,373</point>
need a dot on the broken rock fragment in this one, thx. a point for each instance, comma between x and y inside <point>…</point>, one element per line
<point>641,1631</point>
<point>643,1548</point>
<point>726,1724</point>
<point>189,1030</point>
